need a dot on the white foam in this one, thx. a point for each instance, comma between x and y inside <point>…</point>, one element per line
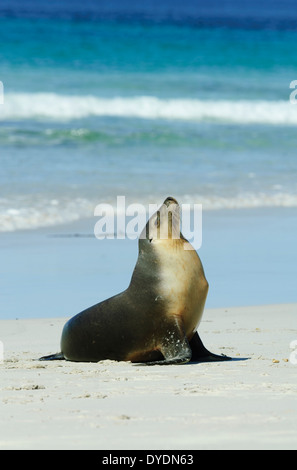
<point>243,201</point>
<point>63,107</point>
<point>23,214</point>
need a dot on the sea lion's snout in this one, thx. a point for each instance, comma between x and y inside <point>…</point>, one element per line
<point>170,200</point>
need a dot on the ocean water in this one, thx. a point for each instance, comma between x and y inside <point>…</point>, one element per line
<point>115,98</point>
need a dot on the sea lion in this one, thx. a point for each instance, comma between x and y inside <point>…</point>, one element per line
<point>155,319</point>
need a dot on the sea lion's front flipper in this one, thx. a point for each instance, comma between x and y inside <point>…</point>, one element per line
<point>175,347</point>
<point>201,354</point>
<point>53,357</point>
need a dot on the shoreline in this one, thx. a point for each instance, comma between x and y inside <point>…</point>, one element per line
<point>248,257</point>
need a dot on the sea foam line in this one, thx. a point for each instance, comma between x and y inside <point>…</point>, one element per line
<point>51,106</point>
<point>27,214</point>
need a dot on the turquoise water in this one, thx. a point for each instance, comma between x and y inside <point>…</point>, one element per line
<point>147,101</point>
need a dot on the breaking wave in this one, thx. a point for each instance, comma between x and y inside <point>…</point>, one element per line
<point>51,106</point>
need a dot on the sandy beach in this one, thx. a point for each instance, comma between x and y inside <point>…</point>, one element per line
<point>249,403</point>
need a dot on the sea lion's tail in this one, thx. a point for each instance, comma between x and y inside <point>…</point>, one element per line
<point>53,357</point>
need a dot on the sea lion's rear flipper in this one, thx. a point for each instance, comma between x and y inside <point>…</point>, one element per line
<point>201,354</point>
<point>175,347</point>
<point>53,357</point>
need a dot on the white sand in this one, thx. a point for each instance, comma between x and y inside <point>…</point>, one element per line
<point>243,404</point>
